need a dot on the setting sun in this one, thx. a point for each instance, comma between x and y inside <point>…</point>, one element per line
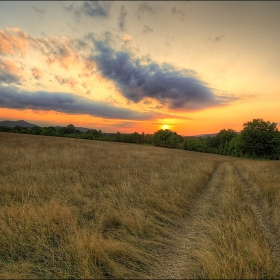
<point>165,126</point>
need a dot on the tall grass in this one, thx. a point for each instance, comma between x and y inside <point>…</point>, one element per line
<point>226,241</point>
<point>72,208</point>
<point>89,209</point>
<point>264,180</point>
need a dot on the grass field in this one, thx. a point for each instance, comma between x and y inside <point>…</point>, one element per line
<point>72,208</point>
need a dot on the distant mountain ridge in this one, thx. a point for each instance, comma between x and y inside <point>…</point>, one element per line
<point>27,124</point>
<point>15,123</point>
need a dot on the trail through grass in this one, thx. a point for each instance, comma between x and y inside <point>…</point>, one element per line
<point>221,238</point>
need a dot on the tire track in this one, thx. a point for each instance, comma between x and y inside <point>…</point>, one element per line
<point>270,232</point>
<point>173,265</point>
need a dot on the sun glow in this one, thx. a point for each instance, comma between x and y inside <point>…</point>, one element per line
<point>165,126</point>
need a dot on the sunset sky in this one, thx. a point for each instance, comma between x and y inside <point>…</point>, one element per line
<point>193,67</point>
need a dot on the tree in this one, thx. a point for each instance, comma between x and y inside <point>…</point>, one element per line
<point>70,129</point>
<point>260,139</point>
<point>166,138</point>
<point>235,147</point>
<point>193,144</point>
<point>223,138</point>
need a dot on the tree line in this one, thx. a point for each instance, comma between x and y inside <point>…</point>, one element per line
<point>258,139</point>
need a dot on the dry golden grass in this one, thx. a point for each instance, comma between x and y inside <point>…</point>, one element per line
<point>89,209</point>
<point>222,238</point>
<point>264,180</point>
<point>72,208</point>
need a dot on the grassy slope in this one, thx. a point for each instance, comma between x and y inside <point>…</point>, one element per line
<point>88,209</point>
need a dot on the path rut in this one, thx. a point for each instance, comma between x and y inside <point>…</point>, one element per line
<point>174,265</point>
<point>180,262</point>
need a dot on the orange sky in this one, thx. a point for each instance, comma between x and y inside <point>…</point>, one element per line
<point>118,66</point>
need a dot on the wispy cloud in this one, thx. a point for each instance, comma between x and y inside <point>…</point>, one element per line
<point>121,18</point>
<point>146,7</point>
<point>147,29</point>
<point>37,73</point>
<point>96,8</point>
<point>177,12</point>
<point>38,11</point>
<point>93,9</point>
<point>12,97</point>
<point>9,72</point>
<point>172,87</point>
<point>64,51</point>
<point>13,41</point>
<point>66,81</point>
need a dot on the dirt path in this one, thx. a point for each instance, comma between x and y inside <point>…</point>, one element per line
<point>271,233</point>
<point>173,265</point>
<point>223,190</point>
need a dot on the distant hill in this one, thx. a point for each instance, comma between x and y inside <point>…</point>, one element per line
<point>15,123</point>
<point>27,124</point>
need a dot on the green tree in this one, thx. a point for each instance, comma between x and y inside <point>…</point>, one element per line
<point>193,144</point>
<point>221,141</point>
<point>70,129</point>
<point>166,138</point>
<point>260,139</point>
<point>235,147</point>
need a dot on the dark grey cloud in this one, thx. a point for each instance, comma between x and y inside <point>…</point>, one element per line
<point>121,18</point>
<point>136,81</point>
<point>147,29</point>
<point>8,78</point>
<point>12,97</point>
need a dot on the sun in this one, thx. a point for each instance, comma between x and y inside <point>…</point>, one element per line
<point>165,126</point>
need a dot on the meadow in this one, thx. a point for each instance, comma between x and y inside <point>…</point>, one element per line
<point>74,208</point>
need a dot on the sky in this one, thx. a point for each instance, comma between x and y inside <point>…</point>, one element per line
<point>194,67</point>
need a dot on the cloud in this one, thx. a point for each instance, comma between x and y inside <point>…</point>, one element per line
<point>147,29</point>
<point>39,12</point>
<point>112,100</point>
<point>178,12</point>
<point>96,8</point>
<point>13,98</point>
<point>37,73</point>
<point>177,89</point>
<point>145,7</point>
<point>13,41</point>
<point>9,72</point>
<point>63,52</point>
<point>88,68</point>
<point>121,18</point>
<point>126,38</point>
<point>66,81</point>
